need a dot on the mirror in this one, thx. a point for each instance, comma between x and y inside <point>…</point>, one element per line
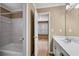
<point>72,20</point>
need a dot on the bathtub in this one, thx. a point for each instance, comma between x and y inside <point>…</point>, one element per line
<point>12,49</point>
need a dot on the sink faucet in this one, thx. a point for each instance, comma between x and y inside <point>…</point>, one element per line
<point>68,39</point>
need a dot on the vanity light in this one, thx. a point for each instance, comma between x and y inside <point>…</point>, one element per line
<point>67,7</point>
<point>70,6</point>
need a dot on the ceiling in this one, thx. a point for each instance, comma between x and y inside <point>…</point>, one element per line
<point>44,5</point>
<point>19,6</point>
<point>13,6</point>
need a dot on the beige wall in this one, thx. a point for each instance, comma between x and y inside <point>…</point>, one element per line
<point>30,8</point>
<point>57,20</point>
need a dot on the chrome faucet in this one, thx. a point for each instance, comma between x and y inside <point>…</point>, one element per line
<point>68,39</point>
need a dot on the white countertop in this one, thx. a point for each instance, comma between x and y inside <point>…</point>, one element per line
<point>72,48</point>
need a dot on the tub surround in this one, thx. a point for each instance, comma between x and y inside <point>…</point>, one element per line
<point>5,31</point>
<point>12,49</point>
<point>71,48</point>
<point>11,32</point>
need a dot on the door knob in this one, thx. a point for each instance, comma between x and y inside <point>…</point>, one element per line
<point>35,36</point>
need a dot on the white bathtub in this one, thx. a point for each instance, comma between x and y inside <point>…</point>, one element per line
<point>12,49</point>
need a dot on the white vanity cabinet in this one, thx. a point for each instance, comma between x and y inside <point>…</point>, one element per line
<point>63,53</point>
<point>54,47</point>
<point>57,49</point>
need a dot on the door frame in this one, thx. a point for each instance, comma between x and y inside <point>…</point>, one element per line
<point>36,33</point>
<point>26,30</point>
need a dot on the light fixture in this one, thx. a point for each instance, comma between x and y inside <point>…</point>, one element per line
<point>67,7</point>
<point>70,5</point>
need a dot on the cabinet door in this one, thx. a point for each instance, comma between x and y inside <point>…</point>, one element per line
<point>63,53</point>
<point>54,47</point>
<point>58,51</point>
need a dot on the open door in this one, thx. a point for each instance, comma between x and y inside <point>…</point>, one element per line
<point>36,32</point>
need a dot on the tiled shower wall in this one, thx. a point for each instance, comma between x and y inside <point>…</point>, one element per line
<point>17,30</point>
<point>11,30</point>
<point>5,30</point>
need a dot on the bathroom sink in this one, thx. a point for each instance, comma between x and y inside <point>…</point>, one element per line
<point>66,41</point>
<point>71,47</point>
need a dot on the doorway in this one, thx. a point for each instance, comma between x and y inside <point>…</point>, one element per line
<point>43,34</point>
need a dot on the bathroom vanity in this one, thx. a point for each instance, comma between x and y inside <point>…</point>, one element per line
<point>61,47</point>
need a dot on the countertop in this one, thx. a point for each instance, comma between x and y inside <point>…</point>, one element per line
<point>72,48</point>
